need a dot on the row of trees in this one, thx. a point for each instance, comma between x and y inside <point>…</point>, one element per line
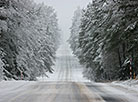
<point>106,40</point>
<point>29,37</point>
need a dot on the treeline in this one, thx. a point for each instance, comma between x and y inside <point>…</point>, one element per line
<point>104,36</point>
<point>29,37</point>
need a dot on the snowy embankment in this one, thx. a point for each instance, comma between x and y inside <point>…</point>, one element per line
<point>125,90</point>
<point>10,87</point>
<point>14,85</point>
<point>129,88</point>
<point>129,84</point>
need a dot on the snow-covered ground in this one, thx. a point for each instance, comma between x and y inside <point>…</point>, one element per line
<point>9,89</point>
<point>128,88</point>
<point>12,86</point>
<point>129,84</point>
<point>126,91</point>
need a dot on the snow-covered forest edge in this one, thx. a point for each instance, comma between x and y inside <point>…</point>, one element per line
<point>29,38</point>
<point>104,37</point>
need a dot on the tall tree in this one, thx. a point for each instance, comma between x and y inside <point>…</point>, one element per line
<point>29,38</point>
<point>75,29</point>
<point>108,39</point>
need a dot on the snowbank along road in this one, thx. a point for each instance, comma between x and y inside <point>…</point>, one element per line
<point>65,85</point>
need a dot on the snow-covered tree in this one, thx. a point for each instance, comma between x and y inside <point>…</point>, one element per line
<point>107,38</point>
<point>75,29</point>
<point>29,38</point>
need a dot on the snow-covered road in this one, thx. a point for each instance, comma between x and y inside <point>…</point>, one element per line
<point>67,67</point>
<point>64,91</point>
<point>65,85</point>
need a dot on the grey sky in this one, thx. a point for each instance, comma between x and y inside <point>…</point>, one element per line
<point>65,10</point>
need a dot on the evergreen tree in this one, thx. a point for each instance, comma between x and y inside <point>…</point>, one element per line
<point>75,29</point>
<point>108,39</point>
<point>29,38</point>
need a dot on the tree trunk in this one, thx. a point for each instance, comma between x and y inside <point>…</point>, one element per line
<point>119,59</point>
<point>124,51</point>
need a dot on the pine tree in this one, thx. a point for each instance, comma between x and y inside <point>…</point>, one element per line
<point>29,39</point>
<point>75,29</point>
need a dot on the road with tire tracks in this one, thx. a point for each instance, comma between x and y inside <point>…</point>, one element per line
<point>65,85</point>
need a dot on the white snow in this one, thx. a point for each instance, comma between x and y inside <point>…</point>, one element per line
<point>11,88</point>
<point>128,88</point>
<point>129,84</point>
<point>10,85</point>
<point>121,89</point>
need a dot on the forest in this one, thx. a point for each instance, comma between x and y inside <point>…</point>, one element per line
<point>29,38</point>
<point>104,37</point>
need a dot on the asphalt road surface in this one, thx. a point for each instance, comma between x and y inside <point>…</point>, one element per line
<point>65,85</point>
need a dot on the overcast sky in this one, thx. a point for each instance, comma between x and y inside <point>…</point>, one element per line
<point>65,10</point>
